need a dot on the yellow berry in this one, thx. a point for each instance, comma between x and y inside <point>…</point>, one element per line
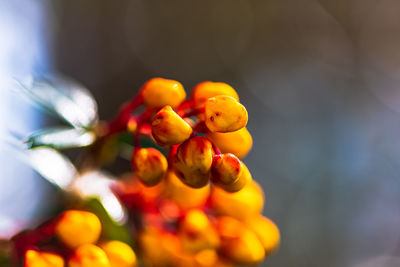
<point>76,227</point>
<point>158,248</point>
<point>205,90</point>
<point>245,203</point>
<point>149,165</point>
<point>224,114</point>
<point>184,196</point>
<point>238,143</point>
<point>119,254</point>
<point>238,243</point>
<point>243,179</point>
<point>193,161</point>
<point>159,92</point>
<point>42,259</point>
<point>88,255</point>
<point>168,128</point>
<point>266,231</point>
<point>225,168</point>
<point>206,258</point>
<point>197,233</point>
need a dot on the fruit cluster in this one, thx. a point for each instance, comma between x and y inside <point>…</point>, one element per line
<point>192,202</point>
<point>77,235</point>
<point>199,206</point>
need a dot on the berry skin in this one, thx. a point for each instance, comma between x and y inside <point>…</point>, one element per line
<point>197,233</point>
<point>205,90</point>
<point>34,258</point>
<point>193,161</point>
<point>266,231</point>
<point>238,243</point>
<point>149,165</point>
<point>76,227</point>
<point>184,196</point>
<point>224,114</point>
<point>238,143</point>
<point>247,202</point>
<point>159,92</point>
<point>168,128</point>
<point>225,169</point>
<point>88,255</point>
<point>243,179</point>
<point>119,254</point>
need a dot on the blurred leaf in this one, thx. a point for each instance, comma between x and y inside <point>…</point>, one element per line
<point>52,165</point>
<point>111,229</point>
<point>63,96</point>
<point>61,138</point>
<point>98,184</point>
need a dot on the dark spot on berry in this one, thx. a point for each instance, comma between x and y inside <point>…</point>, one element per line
<point>211,118</point>
<point>217,114</point>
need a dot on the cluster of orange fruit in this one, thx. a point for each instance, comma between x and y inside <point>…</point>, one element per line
<point>198,206</point>
<point>78,232</point>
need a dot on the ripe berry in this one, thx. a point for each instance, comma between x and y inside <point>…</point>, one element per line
<point>197,233</point>
<point>243,204</point>
<point>205,90</point>
<point>243,179</point>
<point>149,165</point>
<point>119,254</point>
<point>159,92</point>
<point>225,169</point>
<point>88,255</point>
<point>168,128</point>
<point>34,258</point>
<point>266,231</point>
<point>238,143</point>
<point>193,161</point>
<point>238,243</point>
<point>76,227</point>
<point>184,196</point>
<point>224,114</point>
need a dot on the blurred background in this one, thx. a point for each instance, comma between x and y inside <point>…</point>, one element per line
<point>319,80</point>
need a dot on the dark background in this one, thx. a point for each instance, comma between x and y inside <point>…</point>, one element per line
<point>319,80</point>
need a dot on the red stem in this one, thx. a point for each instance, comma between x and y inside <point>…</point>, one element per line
<point>121,120</point>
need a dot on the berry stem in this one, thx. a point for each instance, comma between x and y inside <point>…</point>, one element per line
<point>118,124</point>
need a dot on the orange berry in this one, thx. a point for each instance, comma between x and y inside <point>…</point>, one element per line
<point>204,90</point>
<point>238,243</point>
<point>168,128</point>
<point>158,248</point>
<point>119,254</point>
<point>197,233</point>
<point>149,165</point>
<point>225,169</point>
<point>238,143</point>
<point>159,92</point>
<point>243,204</point>
<point>184,196</point>
<point>243,179</point>
<point>76,227</point>
<point>206,258</point>
<point>266,231</point>
<point>193,161</point>
<point>88,255</point>
<point>34,258</point>
<point>224,114</point>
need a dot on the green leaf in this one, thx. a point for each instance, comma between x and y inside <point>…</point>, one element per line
<point>111,229</point>
<point>62,96</point>
<point>61,138</point>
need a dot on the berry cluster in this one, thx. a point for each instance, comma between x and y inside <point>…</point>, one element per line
<point>199,206</point>
<point>73,238</point>
<point>192,202</point>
